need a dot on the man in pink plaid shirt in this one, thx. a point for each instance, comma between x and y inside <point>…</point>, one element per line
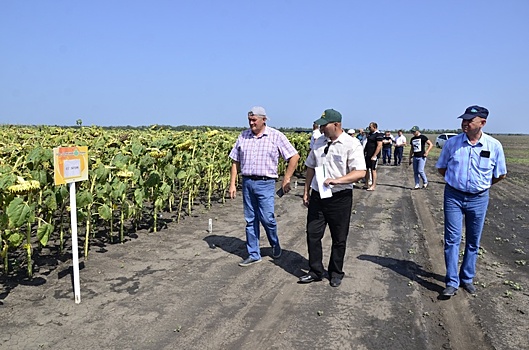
<point>256,155</point>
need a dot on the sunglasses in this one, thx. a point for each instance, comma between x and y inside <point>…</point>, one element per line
<point>251,114</point>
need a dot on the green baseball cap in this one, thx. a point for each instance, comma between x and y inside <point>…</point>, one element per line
<point>329,116</point>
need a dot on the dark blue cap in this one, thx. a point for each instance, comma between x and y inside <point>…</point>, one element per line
<point>475,111</point>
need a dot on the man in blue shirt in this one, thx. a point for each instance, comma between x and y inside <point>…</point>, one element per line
<point>470,163</point>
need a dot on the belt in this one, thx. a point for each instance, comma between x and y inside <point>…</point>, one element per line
<point>466,193</point>
<point>255,177</point>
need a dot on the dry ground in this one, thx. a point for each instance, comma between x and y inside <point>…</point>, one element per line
<point>181,288</point>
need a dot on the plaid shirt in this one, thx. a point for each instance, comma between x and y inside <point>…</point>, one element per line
<point>259,156</point>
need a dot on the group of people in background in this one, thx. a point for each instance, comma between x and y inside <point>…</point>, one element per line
<point>470,163</point>
<point>389,141</point>
<point>379,144</point>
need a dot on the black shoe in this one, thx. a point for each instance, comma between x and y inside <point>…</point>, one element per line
<point>469,287</point>
<point>308,278</point>
<point>336,281</point>
<point>449,291</point>
<point>249,261</point>
<point>276,252</point>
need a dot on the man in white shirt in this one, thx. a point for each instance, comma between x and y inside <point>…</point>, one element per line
<point>341,161</point>
<point>316,133</point>
<point>400,142</point>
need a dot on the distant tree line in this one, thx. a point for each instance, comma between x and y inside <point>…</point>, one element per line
<point>79,124</point>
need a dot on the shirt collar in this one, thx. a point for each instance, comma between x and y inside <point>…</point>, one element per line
<point>265,132</point>
<point>481,141</point>
<point>340,138</point>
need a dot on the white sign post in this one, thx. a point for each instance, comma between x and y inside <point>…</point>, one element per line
<point>75,252</point>
<point>70,166</point>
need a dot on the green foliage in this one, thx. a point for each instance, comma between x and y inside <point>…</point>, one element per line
<point>19,213</point>
<point>44,232</point>
<point>134,175</point>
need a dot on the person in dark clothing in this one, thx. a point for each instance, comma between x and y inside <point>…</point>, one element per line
<point>387,143</point>
<point>372,150</point>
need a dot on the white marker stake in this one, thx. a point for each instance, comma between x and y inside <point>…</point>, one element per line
<point>75,252</point>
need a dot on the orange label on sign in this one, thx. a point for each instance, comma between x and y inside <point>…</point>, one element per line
<point>70,164</point>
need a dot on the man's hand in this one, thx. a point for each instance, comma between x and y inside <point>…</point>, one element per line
<point>285,185</point>
<point>306,199</point>
<point>331,182</point>
<point>233,191</point>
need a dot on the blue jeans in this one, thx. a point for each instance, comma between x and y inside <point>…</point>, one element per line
<point>258,200</point>
<point>386,154</point>
<point>473,207</point>
<point>418,170</point>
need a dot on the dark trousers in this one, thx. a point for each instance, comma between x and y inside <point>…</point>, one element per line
<point>398,154</point>
<point>335,212</point>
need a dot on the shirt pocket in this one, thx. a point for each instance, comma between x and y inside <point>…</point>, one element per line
<point>485,164</point>
<point>337,158</point>
<point>242,154</point>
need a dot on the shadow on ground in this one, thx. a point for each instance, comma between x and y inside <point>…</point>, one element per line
<point>408,269</point>
<point>290,261</point>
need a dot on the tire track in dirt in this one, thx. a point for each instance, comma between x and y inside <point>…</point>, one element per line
<point>503,317</point>
<point>182,287</point>
<point>459,321</point>
<point>248,301</point>
<point>385,245</point>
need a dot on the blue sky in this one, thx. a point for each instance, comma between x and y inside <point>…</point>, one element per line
<point>398,63</point>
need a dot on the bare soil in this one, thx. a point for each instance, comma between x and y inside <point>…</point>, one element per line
<point>181,288</point>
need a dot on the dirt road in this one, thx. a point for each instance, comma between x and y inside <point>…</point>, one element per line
<point>181,288</point>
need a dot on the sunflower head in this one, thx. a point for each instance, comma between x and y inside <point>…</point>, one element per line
<point>186,145</point>
<point>124,174</point>
<point>24,186</point>
<point>156,153</point>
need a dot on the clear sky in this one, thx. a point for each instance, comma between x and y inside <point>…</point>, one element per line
<point>130,62</point>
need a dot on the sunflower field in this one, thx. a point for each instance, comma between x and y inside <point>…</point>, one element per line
<point>135,175</point>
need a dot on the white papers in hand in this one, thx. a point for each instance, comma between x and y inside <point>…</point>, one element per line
<point>325,191</point>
